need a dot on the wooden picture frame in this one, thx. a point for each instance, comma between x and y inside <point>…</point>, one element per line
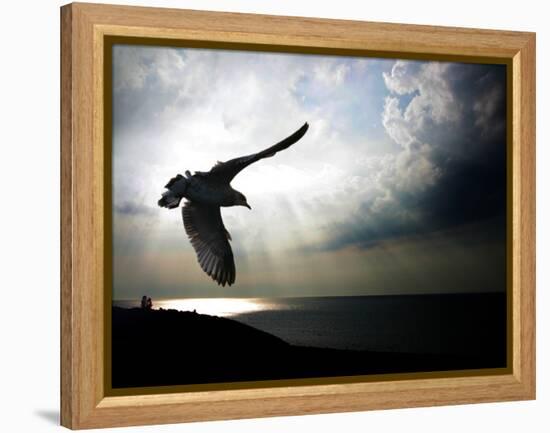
<point>84,29</point>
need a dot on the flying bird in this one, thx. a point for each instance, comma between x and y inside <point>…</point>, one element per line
<point>205,193</point>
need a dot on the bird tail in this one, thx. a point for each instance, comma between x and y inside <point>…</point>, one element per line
<point>176,189</point>
<point>169,200</point>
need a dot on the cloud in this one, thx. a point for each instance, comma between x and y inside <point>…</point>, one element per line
<point>451,166</point>
<point>331,72</point>
<point>133,208</point>
<point>137,64</point>
<point>488,110</point>
<point>186,109</point>
<point>394,150</point>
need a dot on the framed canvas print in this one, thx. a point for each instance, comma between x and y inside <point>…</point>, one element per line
<point>269,216</point>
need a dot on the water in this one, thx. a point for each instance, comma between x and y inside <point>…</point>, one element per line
<point>453,324</point>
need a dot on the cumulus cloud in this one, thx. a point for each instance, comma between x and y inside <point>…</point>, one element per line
<point>437,179</point>
<point>186,109</point>
<point>394,149</point>
<point>433,98</point>
<point>330,72</point>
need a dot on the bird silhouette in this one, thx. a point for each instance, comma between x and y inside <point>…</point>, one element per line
<point>205,193</point>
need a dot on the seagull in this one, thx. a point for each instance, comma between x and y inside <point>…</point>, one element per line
<point>205,194</point>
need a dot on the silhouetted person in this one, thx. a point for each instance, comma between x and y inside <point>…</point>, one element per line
<point>149,304</point>
<point>144,302</point>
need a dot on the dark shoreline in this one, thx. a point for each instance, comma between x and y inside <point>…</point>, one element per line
<point>169,347</point>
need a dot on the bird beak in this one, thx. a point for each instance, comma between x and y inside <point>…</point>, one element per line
<point>247,205</point>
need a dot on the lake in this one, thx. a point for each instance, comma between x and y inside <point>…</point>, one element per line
<point>448,324</point>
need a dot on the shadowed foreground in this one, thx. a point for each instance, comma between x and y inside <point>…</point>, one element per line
<point>169,347</point>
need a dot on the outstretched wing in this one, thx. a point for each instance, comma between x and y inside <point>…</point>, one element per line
<point>226,171</point>
<point>204,227</point>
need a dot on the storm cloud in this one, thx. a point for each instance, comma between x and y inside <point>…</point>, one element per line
<point>398,186</point>
<point>450,122</point>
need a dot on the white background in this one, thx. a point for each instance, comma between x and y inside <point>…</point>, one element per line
<point>29,233</point>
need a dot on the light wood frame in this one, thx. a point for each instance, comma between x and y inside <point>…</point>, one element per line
<point>83,29</point>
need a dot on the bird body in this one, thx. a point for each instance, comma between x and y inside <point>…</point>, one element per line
<point>205,193</point>
<point>199,189</point>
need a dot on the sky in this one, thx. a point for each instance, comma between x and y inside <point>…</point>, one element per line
<point>398,187</point>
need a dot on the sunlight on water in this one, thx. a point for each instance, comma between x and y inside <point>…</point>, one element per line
<point>224,307</point>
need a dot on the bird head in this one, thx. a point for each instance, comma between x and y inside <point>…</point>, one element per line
<point>240,200</point>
